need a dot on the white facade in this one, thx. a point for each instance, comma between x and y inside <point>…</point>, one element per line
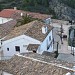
<point>22,41</point>
<point>10,46</point>
<point>4,20</point>
<point>47,44</point>
<point>4,73</point>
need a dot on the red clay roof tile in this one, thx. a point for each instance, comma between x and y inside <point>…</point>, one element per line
<point>8,13</point>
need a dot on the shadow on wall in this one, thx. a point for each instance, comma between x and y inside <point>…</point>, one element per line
<point>71,38</point>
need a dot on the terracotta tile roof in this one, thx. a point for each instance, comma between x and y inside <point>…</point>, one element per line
<point>7,27</point>
<point>17,31</point>
<point>38,15</point>
<point>32,47</point>
<point>10,13</point>
<point>60,21</point>
<point>30,65</point>
<point>36,31</point>
<point>49,54</point>
<point>6,13</point>
<point>32,29</point>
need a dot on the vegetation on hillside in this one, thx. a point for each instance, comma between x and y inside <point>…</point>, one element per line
<point>41,6</point>
<point>70,3</point>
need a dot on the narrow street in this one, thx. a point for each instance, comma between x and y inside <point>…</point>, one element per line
<point>62,48</point>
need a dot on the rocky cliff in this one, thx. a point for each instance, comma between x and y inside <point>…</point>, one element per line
<point>62,10</point>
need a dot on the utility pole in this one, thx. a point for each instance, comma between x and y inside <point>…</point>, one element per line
<point>60,33</point>
<point>57,50</point>
<point>57,47</point>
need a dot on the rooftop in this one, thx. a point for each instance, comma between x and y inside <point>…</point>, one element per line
<point>32,47</point>
<point>36,31</point>
<point>32,29</point>
<point>6,28</point>
<point>35,64</point>
<point>10,13</point>
<point>60,21</point>
<point>46,58</point>
<point>38,15</point>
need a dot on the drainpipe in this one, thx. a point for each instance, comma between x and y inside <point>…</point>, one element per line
<point>0,49</point>
<point>57,48</point>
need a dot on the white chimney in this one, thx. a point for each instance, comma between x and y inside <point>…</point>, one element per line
<point>15,8</point>
<point>21,14</point>
<point>44,29</point>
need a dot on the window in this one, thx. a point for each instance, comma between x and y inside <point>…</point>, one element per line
<point>7,49</point>
<point>34,51</point>
<point>49,38</point>
<point>51,44</point>
<point>17,48</point>
<point>47,45</point>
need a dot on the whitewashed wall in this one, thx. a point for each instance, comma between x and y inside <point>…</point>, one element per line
<point>43,46</point>
<point>21,41</point>
<point>4,20</point>
<point>5,73</point>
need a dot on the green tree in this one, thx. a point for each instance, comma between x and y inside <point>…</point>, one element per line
<point>45,3</point>
<point>25,19</point>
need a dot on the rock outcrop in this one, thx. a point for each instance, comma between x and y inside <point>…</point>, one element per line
<point>62,11</point>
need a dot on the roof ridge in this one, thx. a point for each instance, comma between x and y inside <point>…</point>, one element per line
<point>57,65</point>
<point>26,24</point>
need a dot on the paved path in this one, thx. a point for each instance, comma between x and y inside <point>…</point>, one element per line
<point>63,48</point>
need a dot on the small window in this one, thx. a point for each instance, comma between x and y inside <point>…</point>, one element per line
<point>49,38</point>
<point>51,44</point>
<point>34,51</point>
<point>17,48</point>
<point>7,49</point>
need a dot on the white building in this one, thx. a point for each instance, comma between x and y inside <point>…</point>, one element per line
<point>35,32</point>
<point>7,15</point>
<point>4,73</point>
<point>4,20</point>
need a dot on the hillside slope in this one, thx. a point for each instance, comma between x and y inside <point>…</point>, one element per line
<point>61,9</point>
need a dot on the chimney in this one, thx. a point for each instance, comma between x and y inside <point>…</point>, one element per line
<point>44,29</point>
<point>15,8</point>
<point>21,14</point>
